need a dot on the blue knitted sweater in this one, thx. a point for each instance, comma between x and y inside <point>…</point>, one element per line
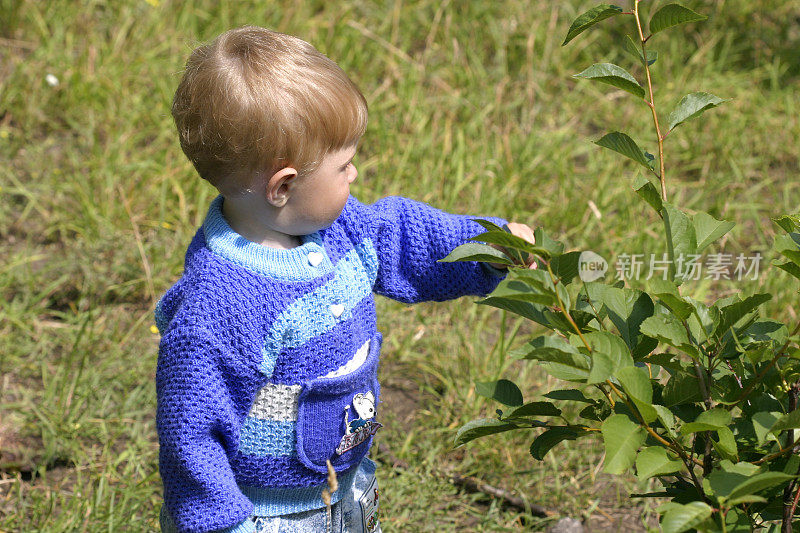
<point>266,355</point>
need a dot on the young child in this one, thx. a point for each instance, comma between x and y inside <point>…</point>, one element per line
<point>269,352</point>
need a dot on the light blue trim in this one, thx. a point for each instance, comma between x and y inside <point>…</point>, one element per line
<point>287,500</point>
<point>245,526</point>
<point>268,437</point>
<point>168,526</point>
<point>289,265</point>
<point>311,315</point>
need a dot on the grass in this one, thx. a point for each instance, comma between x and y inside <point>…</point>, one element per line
<point>472,109</point>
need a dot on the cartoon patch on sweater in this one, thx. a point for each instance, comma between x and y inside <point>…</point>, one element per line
<point>359,429</point>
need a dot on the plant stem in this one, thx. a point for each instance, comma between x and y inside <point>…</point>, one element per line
<point>671,445</point>
<point>790,503</point>
<point>777,454</point>
<point>652,102</point>
<point>607,395</point>
<point>662,176</point>
<point>565,312</point>
<point>794,506</point>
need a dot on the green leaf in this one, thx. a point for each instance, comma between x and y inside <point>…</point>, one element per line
<point>561,360</point>
<point>667,420</point>
<point>507,240</point>
<point>673,15</point>
<point>680,389</point>
<point>477,252</point>
<point>621,143</point>
<point>480,428</point>
<point>539,281</point>
<point>710,420</point>
<point>763,421</point>
<point>613,75</point>
<point>565,266</point>
<point>648,192</point>
<point>789,223</point>
<point>667,329</point>
<point>679,518</point>
<point>627,309</point>
<point>681,230</point>
<point>636,383</point>
<point>621,438</point>
<point>704,320</point>
<point>514,289</point>
<point>488,225</point>
<point>759,482</point>
<point>789,267</point>
<point>568,394</point>
<point>788,421</point>
<point>692,106</point>
<point>722,481</point>
<point>589,19</point>
<point>545,441</point>
<point>654,461</point>
<point>731,314</point>
<point>552,349</point>
<point>788,246</point>
<point>752,498</point>
<point>609,353</point>
<point>667,291</point>
<point>636,50</point>
<point>741,481</point>
<point>598,411</point>
<point>726,445</point>
<point>504,391</point>
<point>603,366</point>
<point>534,409</point>
<point>543,240</point>
<point>708,229</point>
<point>528,310</point>
<point>765,330</point>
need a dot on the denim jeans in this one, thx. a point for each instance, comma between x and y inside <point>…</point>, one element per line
<point>355,512</point>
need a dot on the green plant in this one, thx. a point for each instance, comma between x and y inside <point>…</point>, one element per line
<point>701,396</point>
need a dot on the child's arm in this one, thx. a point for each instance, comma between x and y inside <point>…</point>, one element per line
<point>198,425</point>
<point>409,238</point>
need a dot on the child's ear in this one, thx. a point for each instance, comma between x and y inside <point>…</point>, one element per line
<point>279,186</point>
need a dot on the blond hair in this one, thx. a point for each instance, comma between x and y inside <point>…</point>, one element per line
<point>256,100</point>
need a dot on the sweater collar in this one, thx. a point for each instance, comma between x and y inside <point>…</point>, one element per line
<point>304,262</point>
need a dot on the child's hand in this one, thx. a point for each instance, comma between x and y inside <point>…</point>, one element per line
<point>525,232</point>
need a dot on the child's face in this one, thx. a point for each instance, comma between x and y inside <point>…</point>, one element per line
<point>318,199</point>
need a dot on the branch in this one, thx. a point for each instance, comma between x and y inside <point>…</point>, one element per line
<point>643,40</point>
<point>777,454</point>
<point>671,445</point>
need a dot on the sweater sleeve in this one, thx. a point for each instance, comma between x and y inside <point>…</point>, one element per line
<point>410,237</point>
<point>198,425</point>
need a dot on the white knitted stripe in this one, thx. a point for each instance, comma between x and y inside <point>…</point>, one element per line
<point>358,359</point>
<point>276,402</point>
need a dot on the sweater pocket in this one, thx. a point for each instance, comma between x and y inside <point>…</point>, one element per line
<point>336,413</point>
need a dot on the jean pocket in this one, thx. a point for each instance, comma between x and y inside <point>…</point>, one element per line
<point>336,412</point>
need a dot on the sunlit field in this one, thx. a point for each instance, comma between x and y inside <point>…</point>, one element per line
<point>472,109</point>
